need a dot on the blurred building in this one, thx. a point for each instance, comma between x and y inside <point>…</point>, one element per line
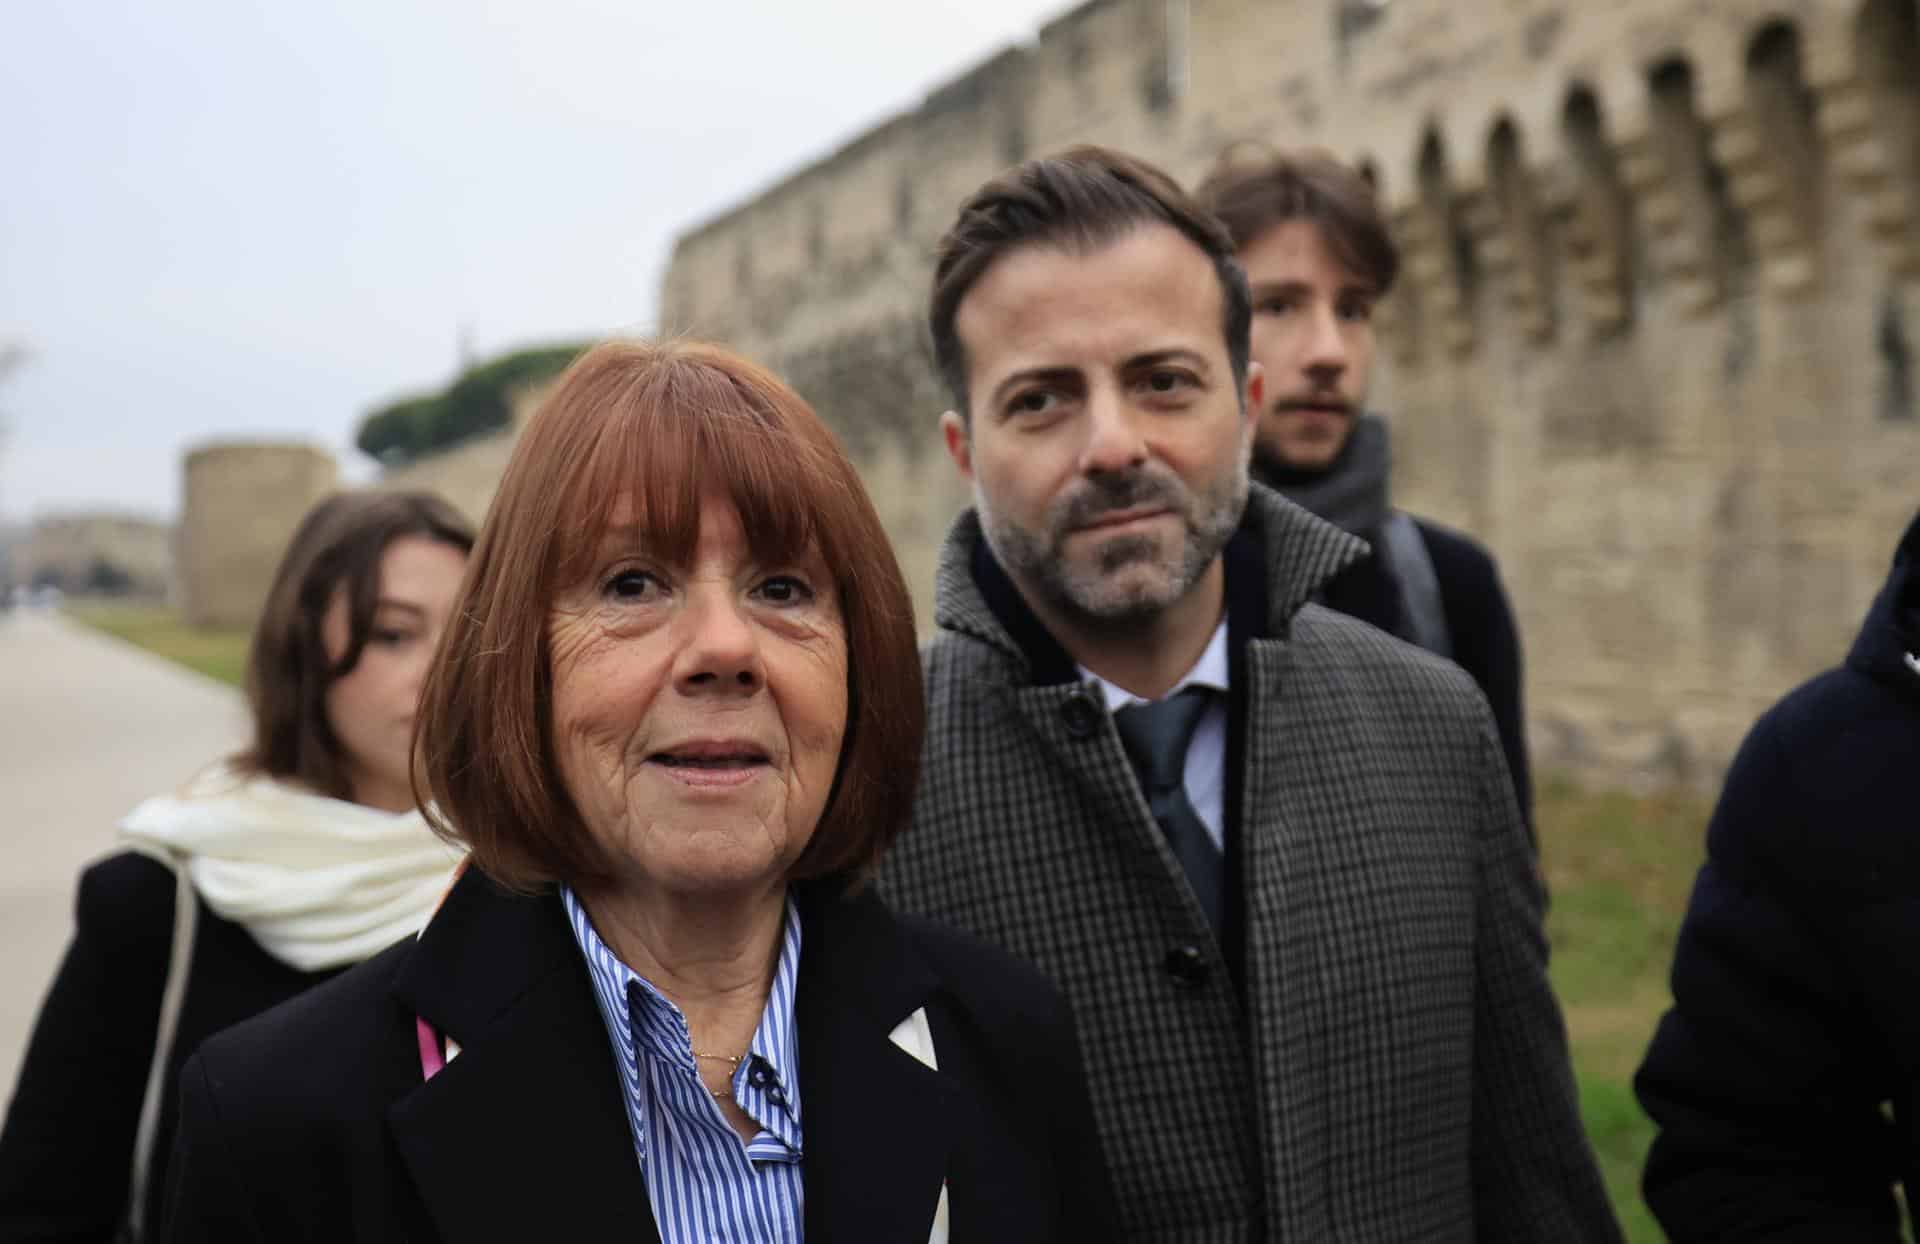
<point>1654,338</point>
<point>244,499</point>
<point>97,554</point>
<point>242,502</point>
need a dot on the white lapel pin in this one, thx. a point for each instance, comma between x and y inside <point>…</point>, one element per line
<point>913,1035</point>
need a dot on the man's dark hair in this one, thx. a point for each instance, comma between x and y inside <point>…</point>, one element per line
<point>1080,200</point>
<point>1251,196</point>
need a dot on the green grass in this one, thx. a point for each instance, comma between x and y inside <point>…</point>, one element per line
<point>220,654</point>
<point>1618,867</point>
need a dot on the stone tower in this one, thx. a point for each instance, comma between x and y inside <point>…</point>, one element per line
<point>242,502</point>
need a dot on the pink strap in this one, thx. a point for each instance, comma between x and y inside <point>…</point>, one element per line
<point>431,1059</point>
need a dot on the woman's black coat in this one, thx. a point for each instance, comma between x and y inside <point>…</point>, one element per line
<point>312,1122</point>
<point>66,1151</point>
<point>1786,1079</point>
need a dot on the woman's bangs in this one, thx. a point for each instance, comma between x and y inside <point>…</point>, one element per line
<point>649,468</point>
<point>773,479</point>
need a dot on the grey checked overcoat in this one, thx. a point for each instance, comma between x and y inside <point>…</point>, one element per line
<point>1398,1070</point>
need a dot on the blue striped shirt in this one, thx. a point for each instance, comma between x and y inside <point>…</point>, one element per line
<point>704,1183</point>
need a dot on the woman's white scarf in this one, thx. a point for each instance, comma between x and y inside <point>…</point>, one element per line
<point>319,882</point>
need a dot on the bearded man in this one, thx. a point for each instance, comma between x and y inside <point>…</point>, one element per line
<point>1270,853</point>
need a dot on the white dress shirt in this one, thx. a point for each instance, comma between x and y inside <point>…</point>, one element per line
<point>1205,773</point>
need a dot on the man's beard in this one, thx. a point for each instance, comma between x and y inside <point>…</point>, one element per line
<point>1088,590</point>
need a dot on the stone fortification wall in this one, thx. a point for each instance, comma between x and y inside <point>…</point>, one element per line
<point>467,475</point>
<point>242,502</point>
<point>1654,341</point>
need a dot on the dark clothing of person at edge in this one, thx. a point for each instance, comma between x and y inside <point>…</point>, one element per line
<point>1786,1078</point>
<point>1422,582</point>
<point>66,1151</point>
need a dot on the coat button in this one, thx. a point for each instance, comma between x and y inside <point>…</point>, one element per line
<point>1082,718</point>
<point>1187,965</point>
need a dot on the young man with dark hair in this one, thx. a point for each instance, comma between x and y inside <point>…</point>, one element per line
<point>1271,854</point>
<point>1318,258</point>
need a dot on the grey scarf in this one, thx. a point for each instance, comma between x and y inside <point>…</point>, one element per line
<point>1352,495</point>
<point>1351,492</point>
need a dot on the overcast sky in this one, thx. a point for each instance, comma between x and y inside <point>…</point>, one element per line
<point>229,219</point>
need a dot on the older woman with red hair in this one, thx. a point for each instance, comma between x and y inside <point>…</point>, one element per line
<point>677,720</point>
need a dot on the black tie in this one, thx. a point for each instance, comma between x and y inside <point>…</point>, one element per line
<point>1156,737</point>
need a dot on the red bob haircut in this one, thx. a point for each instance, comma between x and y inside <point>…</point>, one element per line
<point>658,425</point>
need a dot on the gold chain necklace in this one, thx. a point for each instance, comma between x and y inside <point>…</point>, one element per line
<point>732,1060</point>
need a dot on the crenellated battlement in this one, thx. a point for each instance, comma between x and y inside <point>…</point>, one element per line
<point>1654,338</point>
<point>1681,120</point>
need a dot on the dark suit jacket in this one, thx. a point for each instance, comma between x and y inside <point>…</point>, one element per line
<point>312,1122</point>
<point>67,1148</point>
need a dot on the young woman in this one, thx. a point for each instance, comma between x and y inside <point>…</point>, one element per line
<point>298,856</point>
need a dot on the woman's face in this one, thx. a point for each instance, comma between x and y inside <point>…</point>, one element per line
<point>371,708</point>
<point>698,709</point>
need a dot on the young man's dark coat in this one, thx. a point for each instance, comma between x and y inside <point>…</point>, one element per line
<point>1486,642</point>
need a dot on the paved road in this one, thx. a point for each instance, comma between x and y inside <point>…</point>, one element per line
<point>89,726</point>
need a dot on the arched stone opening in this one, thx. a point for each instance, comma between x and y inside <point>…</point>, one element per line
<point>1787,220</point>
<point>1600,237</point>
<point>1520,225</point>
<point>1396,317</point>
<point>1444,259</point>
<point>1895,347</point>
<point>1702,234</point>
<point>1887,62</point>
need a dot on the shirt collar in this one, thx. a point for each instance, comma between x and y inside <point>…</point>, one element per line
<point>643,1023</point>
<point>1209,671</point>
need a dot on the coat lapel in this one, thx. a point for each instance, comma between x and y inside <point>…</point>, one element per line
<point>1294,787</point>
<point>878,1122</point>
<point>1285,880</point>
<point>523,1135</point>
